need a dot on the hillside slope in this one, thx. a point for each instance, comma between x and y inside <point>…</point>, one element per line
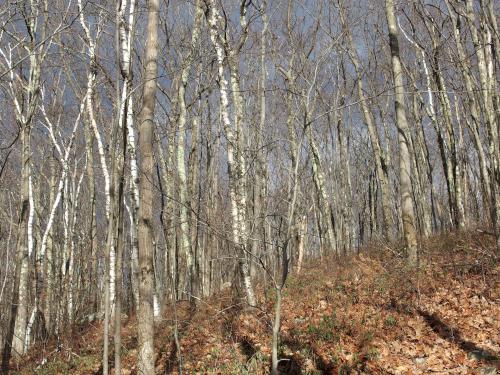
<point>364,315</point>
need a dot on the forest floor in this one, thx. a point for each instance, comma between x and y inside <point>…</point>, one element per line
<point>366,314</point>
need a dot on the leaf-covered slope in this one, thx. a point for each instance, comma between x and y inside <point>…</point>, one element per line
<point>365,314</point>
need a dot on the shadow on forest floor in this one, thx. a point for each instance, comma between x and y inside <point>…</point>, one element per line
<point>454,336</point>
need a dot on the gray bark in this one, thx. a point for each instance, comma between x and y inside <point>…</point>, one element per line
<point>405,168</point>
<point>145,327</point>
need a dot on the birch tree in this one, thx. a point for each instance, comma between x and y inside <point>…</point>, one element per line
<point>186,245</point>
<point>234,157</point>
<point>25,107</point>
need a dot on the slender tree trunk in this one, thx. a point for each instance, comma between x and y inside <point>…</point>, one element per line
<point>194,171</point>
<point>488,93</point>
<point>381,166</point>
<point>135,204</point>
<point>126,138</point>
<point>126,27</point>
<point>91,83</point>
<point>146,355</point>
<point>276,333</point>
<point>294,186</point>
<point>473,107</point>
<point>300,243</point>
<point>92,270</point>
<point>23,326</point>
<point>234,164</point>
<point>167,214</point>
<point>20,304</point>
<point>405,170</point>
<point>119,254</point>
<point>49,275</point>
<point>72,215</point>
<point>240,170</point>
<point>259,242</point>
<point>186,246</point>
<point>431,112</point>
<point>420,165</point>
<point>324,205</point>
<point>350,226</point>
<point>24,112</point>
<point>212,161</point>
<point>450,152</point>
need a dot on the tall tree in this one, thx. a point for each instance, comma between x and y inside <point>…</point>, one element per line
<point>405,167</point>
<point>145,326</point>
<point>235,158</point>
<point>380,159</point>
<point>186,245</point>
<point>24,90</point>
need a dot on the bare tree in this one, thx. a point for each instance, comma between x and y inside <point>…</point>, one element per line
<point>405,167</point>
<point>145,327</point>
<point>25,107</point>
<point>235,158</point>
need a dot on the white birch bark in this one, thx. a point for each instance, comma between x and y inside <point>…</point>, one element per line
<point>186,246</point>
<point>91,82</point>
<point>126,34</point>
<point>75,193</point>
<point>43,246</point>
<point>64,153</point>
<point>24,112</point>
<point>134,256</point>
<point>232,144</point>
<point>31,217</point>
<point>135,203</point>
<point>232,55</point>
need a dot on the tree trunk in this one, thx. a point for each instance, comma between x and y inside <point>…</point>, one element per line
<point>119,252</point>
<point>405,170</point>
<point>146,354</point>
<point>22,248</point>
<point>488,92</point>
<point>49,275</point>
<point>234,163</point>
<point>381,166</point>
<point>421,164</point>
<point>259,240</point>
<point>125,37</point>
<point>186,246</point>
<point>276,333</point>
<point>300,235</point>
<point>473,108</point>
<point>194,171</point>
